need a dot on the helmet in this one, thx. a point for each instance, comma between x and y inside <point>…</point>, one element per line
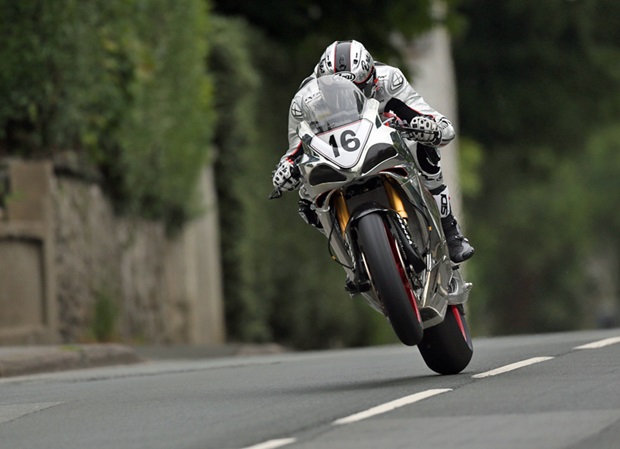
<point>351,60</point>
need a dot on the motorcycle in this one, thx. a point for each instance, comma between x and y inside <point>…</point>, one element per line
<point>382,224</point>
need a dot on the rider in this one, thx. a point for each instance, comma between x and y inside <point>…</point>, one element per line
<point>388,85</point>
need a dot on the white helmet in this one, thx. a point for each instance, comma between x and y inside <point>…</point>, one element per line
<point>351,60</point>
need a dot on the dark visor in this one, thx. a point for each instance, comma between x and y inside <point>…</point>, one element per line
<point>368,84</point>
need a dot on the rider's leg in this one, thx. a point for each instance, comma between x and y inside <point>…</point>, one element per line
<point>458,246</point>
<point>428,160</point>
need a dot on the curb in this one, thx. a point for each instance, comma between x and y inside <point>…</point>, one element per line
<point>194,352</point>
<point>20,361</point>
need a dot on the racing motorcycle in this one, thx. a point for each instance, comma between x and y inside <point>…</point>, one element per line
<point>382,224</point>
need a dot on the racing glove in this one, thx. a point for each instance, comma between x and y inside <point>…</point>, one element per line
<point>425,131</point>
<point>286,175</point>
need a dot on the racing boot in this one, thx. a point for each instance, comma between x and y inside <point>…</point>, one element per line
<point>307,213</point>
<point>458,246</point>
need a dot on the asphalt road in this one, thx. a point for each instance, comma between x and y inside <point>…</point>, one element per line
<point>537,391</point>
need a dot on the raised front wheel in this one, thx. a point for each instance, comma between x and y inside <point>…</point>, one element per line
<point>389,278</point>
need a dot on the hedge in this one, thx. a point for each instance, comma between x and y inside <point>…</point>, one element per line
<point>121,83</point>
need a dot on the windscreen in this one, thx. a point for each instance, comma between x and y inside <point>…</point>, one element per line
<point>332,101</point>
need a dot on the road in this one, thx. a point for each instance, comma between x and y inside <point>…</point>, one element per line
<point>537,391</point>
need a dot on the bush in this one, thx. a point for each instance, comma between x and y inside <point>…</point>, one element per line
<point>120,82</point>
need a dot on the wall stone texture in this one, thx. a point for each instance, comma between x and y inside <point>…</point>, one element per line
<point>113,278</point>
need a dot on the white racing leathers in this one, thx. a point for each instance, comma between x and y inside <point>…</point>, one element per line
<point>392,86</point>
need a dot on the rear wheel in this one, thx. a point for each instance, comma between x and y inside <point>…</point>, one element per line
<point>447,347</point>
<point>389,278</point>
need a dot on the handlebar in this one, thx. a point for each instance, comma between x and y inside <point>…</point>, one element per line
<point>410,129</point>
<point>407,129</point>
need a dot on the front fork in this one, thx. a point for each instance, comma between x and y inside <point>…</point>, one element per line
<point>343,214</point>
<point>342,211</point>
<point>398,217</point>
<point>395,200</point>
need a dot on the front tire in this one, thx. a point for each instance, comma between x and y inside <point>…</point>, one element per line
<point>389,278</point>
<point>447,347</point>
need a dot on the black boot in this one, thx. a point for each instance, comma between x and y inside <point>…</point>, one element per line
<point>458,246</point>
<point>308,214</point>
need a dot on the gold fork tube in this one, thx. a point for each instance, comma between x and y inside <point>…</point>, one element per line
<point>395,201</point>
<point>342,211</point>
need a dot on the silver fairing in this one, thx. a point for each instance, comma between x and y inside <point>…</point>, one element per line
<point>379,151</point>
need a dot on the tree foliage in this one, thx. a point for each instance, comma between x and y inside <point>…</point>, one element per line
<point>121,84</point>
<point>305,27</point>
<point>538,81</point>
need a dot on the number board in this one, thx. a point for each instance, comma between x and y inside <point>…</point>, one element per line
<point>343,145</point>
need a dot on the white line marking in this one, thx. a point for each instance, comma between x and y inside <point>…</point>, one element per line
<point>512,366</point>
<point>11,412</point>
<point>388,406</point>
<point>600,344</point>
<point>272,444</point>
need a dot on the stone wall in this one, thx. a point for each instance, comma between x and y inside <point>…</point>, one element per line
<point>116,277</point>
<point>28,311</point>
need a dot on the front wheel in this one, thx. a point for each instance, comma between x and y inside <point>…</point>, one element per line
<point>388,277</point>
<point>447,347</point>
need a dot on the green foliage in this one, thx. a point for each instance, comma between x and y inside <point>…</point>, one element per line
<point>306,27</point>
<point>470,159</point>
<point>168,130</point>
<point>529,251</point>
<point>597,168</point>
<point>120,82</point>
<point>105,316</point>
<point>543,71</point>
<point>236,143</point>
<point>537,82</point>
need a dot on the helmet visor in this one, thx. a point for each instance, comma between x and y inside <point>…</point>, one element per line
<point>368,85</point>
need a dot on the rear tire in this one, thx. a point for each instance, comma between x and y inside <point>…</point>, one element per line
<point>389,279</point>
<point>447,347</point>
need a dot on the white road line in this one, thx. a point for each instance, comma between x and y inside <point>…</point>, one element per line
<point>272,444</point>
<point>600,344</point>
<point>388,406</point>
<point>14,411</point>
<point>512,366</point>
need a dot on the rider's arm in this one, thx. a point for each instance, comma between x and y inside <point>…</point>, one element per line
<point>407,103</point>
<point>295,149</point>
